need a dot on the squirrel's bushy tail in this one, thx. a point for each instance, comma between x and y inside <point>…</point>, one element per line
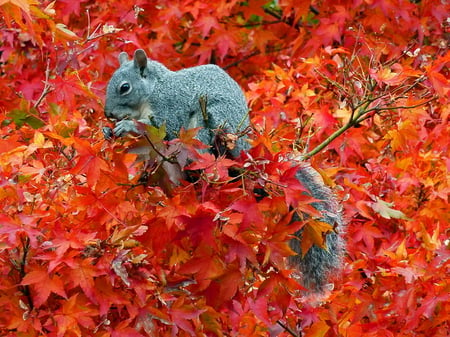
<point>318,263</point>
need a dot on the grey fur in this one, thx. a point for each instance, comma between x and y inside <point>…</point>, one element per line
<point>318,264</point>
<point>158,96</point>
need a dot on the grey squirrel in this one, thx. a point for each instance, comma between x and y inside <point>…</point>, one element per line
<point>203,96</point>
<point>206,96</point>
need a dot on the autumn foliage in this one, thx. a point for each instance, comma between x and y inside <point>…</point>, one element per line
<point>358,88</point>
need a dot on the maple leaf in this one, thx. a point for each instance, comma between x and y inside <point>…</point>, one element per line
<point>187,138</point>
<point>120,235</point>
<point>212,322</point>
<point>274,287</point>
<point>20,10</point>
<point>206,23</point>
<point>214,169</point>
<point>106,295</point>
<point>118,266</point>
<point>74,312</point>
<point>368,233</point>
<point>205,267</point>
<point>238,248</point>
<point>260,308</point>
<point>189,146</point>
<point>182,314</point>
<point>67,324</point>
<point>384,209</point>
<point>59,251</point>
<point>199,228</point>
<point>329,31</point>
<point>71,7</point>
<point>83,274</point>
<point>21,117</point>
<point>65,34</point>
<point>225,42</point>
<point>43,285</point>
<point>251,213</point>
<point>325,118</point>
<point>68,211</point>
<point>223,288</point>
<point>125,331</point>
<point>36,168</point>
<point>13,229</point>
<point>318,329</point>
<point>408,273</point>
<point>387,76</point>
<point>314,233</point>
<point>439,80</point>
<point>89,162</point>
<point>204,53</point>
<point>23,4</point>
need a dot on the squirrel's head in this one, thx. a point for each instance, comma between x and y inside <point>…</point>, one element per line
<point>129,88</point>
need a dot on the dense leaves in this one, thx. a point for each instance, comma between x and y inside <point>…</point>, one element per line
<point>360,88</point>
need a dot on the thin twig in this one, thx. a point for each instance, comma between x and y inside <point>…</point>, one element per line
<point>362,109</point>
<point>334,83</point>
<point>235,63</point>
<point>47,87</point>
<point>288,329</point>
<point>360,117</point>
<point>164,158</point>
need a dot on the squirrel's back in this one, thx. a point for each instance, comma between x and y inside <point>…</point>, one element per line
<point>181,92</point>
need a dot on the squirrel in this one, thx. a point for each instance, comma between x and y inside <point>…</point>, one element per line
<point>202,96</point>
<point>206,96</point>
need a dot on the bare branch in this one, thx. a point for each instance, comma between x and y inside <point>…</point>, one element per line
<point>362,107</point>
<point>47,86</point>
<point>288,329</point>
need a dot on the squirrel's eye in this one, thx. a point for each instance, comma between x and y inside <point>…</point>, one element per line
<point>124,88</point>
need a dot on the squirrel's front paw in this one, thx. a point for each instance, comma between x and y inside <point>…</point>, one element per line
<point>125,126</point>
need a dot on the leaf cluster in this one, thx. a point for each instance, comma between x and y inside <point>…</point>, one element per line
<point>165,239</point>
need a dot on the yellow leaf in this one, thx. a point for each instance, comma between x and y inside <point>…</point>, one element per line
<point>399,138</point>
<point>400,253</point>
<point>314,233</point>
<point>22,4</point>
<point>64,33</point>
<point>401,250</point>
<point>306,91</point>
<point>178,256</point>
<point>431,242</point>
<point>39,139</point>
<point>343,114</point>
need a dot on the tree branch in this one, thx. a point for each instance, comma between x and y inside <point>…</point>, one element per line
<point>356,119</point>
<point>288,329</point>
<point>47,86</point>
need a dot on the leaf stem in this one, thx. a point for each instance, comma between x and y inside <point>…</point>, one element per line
<point>164,158</point>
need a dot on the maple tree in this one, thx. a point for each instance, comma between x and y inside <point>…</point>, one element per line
<point>358,88</point>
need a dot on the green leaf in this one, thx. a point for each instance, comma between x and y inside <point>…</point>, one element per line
<point>21,117</point>
<point>384,209</point>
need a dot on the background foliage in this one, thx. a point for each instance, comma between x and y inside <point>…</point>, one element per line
<point>87,251</point>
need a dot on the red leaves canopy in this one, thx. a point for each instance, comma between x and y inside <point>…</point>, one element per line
<point>361,88</point>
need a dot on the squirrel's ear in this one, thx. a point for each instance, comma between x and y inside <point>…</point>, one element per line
<point>123,57</point>
<point>140,59</point>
